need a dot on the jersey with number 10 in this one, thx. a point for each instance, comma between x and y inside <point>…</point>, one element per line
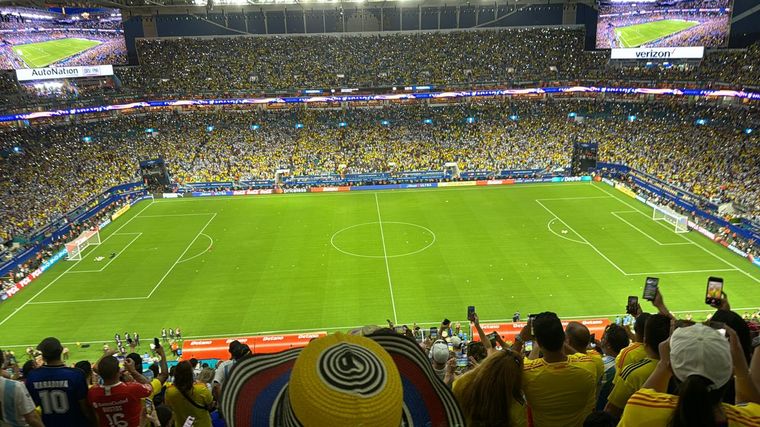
<point>119,405</point>
<point>57,390</point>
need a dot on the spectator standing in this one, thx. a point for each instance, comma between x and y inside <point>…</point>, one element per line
<point>118,403</point>
<point>702,362</point>
<point>491,393</point>
<point>237,351</point>
<point>17,407</point>
<point>579,339</point>
<point>60,391</point>
<point>560,389</point>
<point>613,341</point>
<point>186,398</point>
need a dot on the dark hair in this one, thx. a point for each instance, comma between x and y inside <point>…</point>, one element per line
<point>696,404</point>
<point>640,324</point>
<point>476,350</point>
<point>548,331</point>
<point>193,362</point>
<point>183,376</point>
<point>2,357</point>
<point>137,359</point>
<point>154,368</point>
<point>164,415</point>
<point>735,322</point>
<point>108,368</point>
<point>616,337</point>
<point>29,366</point>
<point>85,366</point>
<point>657,330</point>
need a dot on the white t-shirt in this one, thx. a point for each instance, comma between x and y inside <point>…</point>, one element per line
<point>15,402</point>
<point>222,370</point>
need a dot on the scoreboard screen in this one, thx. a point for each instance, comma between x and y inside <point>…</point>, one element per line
<point>663,23</point>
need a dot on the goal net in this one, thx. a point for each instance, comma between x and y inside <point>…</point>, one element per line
<point>75,247</point>
<point>679,222</point>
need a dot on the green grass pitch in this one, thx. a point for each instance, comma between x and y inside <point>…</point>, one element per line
<point>332,261</point>
<point>639,34</point>
<point>42,54</point>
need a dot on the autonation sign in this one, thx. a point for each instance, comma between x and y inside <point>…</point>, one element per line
<point>26,74</point>
<point>659,53</point>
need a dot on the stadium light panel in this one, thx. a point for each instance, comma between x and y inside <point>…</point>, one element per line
<point>513,117</point>
<point>87,139</point>
<point>299,125</point>
<point>471,120</point>
<point>385,122</point>
<point>701,121</point>
<point>209,128</point>
<point>255,127</point>
<point>748,131</point>
<point>632,118</point>
<point>17,149</point>
<point>342,124</point>
<point>428,121</point>
<point>149,130</point>
<point>573,114</point>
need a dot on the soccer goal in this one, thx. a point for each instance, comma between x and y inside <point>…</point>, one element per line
<point>75,247</point>
<point>679,222</point>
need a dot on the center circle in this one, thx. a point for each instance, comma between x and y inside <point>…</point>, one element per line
<point>397,239</point>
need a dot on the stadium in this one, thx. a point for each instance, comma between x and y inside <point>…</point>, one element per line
<point>380,213</point>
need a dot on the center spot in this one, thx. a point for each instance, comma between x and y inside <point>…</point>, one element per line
<point>400,239</point>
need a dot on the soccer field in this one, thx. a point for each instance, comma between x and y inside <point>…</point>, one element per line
<point>639,34</point>
<point>333,261</point>
<point>42,54</point>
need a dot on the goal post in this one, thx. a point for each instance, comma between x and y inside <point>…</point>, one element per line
<point>679,222</point>
<point>75,247</point>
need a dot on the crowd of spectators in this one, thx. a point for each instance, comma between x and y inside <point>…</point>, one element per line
<point>715,160</point>
<point>658,370</point>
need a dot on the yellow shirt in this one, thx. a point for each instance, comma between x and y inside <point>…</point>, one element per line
<point>598,364</point>
<point>561,393</point>
<point>648,408</point>
<point>516,410</point>
<point>183,409</point>
<point>631,354</point>
<point>632,378</point>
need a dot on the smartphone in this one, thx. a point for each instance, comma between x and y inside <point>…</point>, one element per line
<point>528,346</point>
<point>492,337</point>
<point>633,302</point>
<point>462,362</point>
<point>156,343</point>
<point>714,293</point>
<point>433,332</point>
<point>650,288</point>
<point>189,422</point>
<point>470,311</point>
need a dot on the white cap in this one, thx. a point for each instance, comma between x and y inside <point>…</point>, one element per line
<point>701,350</point>
<point>455,341</point>
<point>439,352</point>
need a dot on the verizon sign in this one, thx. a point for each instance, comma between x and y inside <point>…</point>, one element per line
<point>27,74</point>
<point>659,53</point>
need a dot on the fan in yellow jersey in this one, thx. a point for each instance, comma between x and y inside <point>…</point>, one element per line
<point>560,389</point>
<point>702,361</point>
<point>635,351</point>
<point>633,376</point>
<point>578,338</point>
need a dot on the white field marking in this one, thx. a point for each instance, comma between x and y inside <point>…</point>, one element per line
<point>549,226</point>
<point>642,231</point>
<point>348,328</point>
<point>680,272</point>
<point>332,240</point>
<point>112,259</point>
<point>173,215</point>
<point>181,255</point>
<point>689,239</point>
<point>397,191</point>
<point>583,238</point>
<point>577,198</point>
<point>68,269</point>
<point>211,243</point>
<point>385,255</point>
<point>88,300</point>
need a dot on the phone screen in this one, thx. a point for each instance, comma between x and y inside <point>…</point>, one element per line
<point>528,346</point>
<point>714,292</point>
<point>650,288</point>
<point>462,361</point>
<point>631,307</point>
<point>470,312</point>
<point>433,332</point>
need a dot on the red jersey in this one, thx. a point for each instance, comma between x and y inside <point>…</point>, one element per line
<point>119,405</point>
